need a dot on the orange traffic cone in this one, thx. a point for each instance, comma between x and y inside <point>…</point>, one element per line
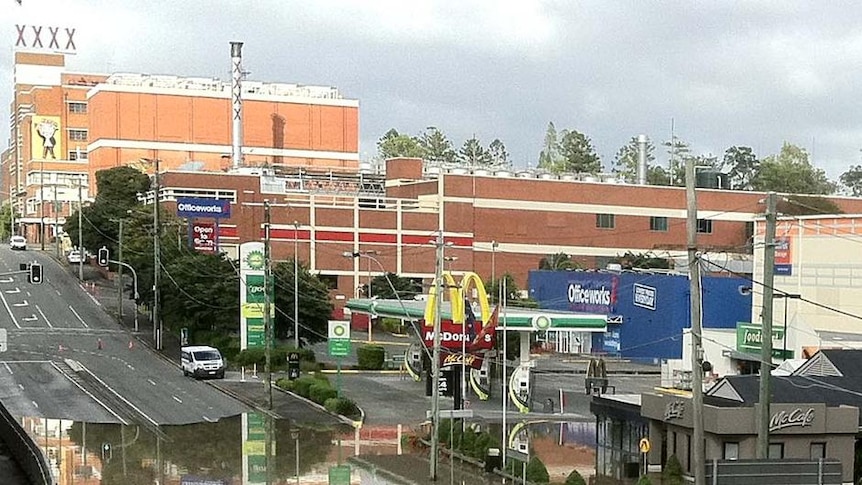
<point>99,344</point>
<point>60,348</point>
<point>131,344</point>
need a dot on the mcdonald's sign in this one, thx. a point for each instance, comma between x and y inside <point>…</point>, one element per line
<point>465,328</point>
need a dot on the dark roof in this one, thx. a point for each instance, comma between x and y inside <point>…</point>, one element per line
<point>847,361</point>
<point>833,391</point>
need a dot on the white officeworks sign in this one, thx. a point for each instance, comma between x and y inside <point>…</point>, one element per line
<point>644,296</point>
<point>197,207</point>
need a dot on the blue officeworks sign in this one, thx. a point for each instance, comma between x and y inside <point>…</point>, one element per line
<point>194,207</point>
<point>592,293</point>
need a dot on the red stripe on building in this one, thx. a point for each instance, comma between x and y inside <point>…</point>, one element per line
<point>333,236</point>
<point>224,231</point>
<point>302,234</point>
<point>378,238</point>
<point>464,242</point>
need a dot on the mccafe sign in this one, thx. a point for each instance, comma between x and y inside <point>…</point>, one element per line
<point>794,418</point>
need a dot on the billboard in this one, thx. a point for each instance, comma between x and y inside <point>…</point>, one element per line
<point>783,257</point>
<point>45,139</point>
<point>192,207</point>
<point>204,236</point>
<point>593,293</point>
<point>251,295</point>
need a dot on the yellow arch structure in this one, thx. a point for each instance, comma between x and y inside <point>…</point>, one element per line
<point>457,295</point>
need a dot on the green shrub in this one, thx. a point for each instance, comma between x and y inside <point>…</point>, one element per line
<point>321,391</point>
<point>575,478</point>
<point>370,357</point>
<point>392,325</point>
<point>644,480</point>
<point>537,472</point>
<point>285,383</point>
<point>672,472</point>
<point>302,386</point>
<point>342,406</point>
<point>306,367</point>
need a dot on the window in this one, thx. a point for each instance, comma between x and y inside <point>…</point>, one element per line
<point>731,451</point>
<point>776,451</point>
<point>704,226</point>
<point>330,280</point>
<point>76,134</point>
<point>77,107</point>
<point>658,223</point>
<point>605,221</point>
<point>818,451</point>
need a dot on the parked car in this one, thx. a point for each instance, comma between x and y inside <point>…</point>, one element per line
<point>18,242</point>
<point>74,256</point>
<point>202,361</point>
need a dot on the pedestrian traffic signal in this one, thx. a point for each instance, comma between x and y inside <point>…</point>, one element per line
<point>106,451</point>
<point>103,256</point>
<point>35,276</point>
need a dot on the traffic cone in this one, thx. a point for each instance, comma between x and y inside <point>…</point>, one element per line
<point>60,348</point>
<point>99,344</point>
<point>131,344</point>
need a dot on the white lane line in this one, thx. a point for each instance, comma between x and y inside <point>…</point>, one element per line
<point>31,318</point>
<point>79,317</point>
<point>151,382</point>
<point>94,398</point>
<point>6,304</point>
<point>7,280</point>
<point>43,316</point>
<point>177,399</point>
<point>34,403</point>
<point>13,292</point>
<point>119,396</point>
<point>21,386</point>
<point>8,369</point>
<point>21,303</point>
<point>207,419</point>
<point>58,292</point>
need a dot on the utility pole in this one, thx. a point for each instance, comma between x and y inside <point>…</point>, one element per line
<point>80,232</point>
<point>42,204</point>
<point>56,225</point>
<point>698,456</point>
<point>435,358</point>
<point>295,285</point>
<point>120,275</point>
<point>157,324</point>
<point>766,329</point>
<point>267,294</point>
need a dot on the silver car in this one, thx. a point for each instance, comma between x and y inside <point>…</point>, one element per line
<point>18,243</point>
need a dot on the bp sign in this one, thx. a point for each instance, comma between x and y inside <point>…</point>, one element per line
<point>339,338</point>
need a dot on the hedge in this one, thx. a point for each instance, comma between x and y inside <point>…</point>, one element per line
<point>575,478</point>
<point>370,357</point>
<point>277,357</point>
<point>321,391</point>
<point>342,406</point>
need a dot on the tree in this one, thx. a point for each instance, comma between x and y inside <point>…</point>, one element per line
<point>512,291</point>
<point>805,205</point>
<point>677,151</point>
<point>852,180</point>
<point>393,145</point>
<point>575,478</point>
<point>558,261</point>
<point>672,471</point>
<point>498,154</point>
<point>626,159</point>
<point>407,288</point>
<point>741,165</point>
<point>315,309</point>
<point>549,157</point>
<point>472,153</point>
<point>5,221</point>
<point>436,147</point>
<point>631,260</point>
<point>577,154</point>
<point>791,172</point>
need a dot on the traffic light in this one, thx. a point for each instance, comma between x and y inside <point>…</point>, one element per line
<point>35,276</point>
<point>106,451</point>
<point>103,256</point>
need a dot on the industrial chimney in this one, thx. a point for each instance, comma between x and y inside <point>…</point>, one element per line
<point>236,103</point>
<point>642,164</point>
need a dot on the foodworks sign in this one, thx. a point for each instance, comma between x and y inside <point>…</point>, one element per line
<point>593,293</point>
<point>194,207</point>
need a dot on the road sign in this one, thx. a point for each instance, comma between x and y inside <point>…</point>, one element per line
<point>644,445</point>
<point>339,338</point>
<point>517,455</point>
<point>3,345</point>
<point>339,475</point>
<point>451,414</point>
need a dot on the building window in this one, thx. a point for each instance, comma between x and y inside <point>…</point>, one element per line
<point>704,226</point>
<point>77,107</point>
<point>330,280</point>
<point>77,134</point>
<point>731,450</point>
<point>776,451</point>
<point>818,451</point>
<point>605,221</point>
<point>658,223</point>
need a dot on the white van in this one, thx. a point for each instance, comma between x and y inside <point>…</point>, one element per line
<point>202,361</point>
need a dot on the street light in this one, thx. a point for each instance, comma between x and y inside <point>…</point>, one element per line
<point>494,245</point>
<point>785,297</point>
<point>296,293</point>
<point>369,254</point>
<point>450,260</point>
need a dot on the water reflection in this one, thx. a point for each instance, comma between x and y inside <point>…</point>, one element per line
<point>257,449</point>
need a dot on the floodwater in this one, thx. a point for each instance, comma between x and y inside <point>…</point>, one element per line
<point>234,451</point>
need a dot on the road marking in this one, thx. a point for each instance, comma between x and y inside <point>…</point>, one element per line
<point>31,318</point>
<point>21,386</point>
<point>35,404</point>
<point>6,304</point>
<point>177,399</point>
<point>8,369</point>
<point>129,366</point>
<point>58,292</point>
<point>7,280</point>
<point>151,382</point>
<point>79,317</point>
<point>207,419</point>
<point>13,292</point>
<point>79,386</point>
<point>119,396</point>
<point>43,316</point>
<point>21,303</point>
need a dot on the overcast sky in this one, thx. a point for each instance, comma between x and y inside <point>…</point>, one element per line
<point>752,73</point>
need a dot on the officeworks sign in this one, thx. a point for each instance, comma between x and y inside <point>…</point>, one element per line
<point>593,293</point>
<point>194,207</point>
